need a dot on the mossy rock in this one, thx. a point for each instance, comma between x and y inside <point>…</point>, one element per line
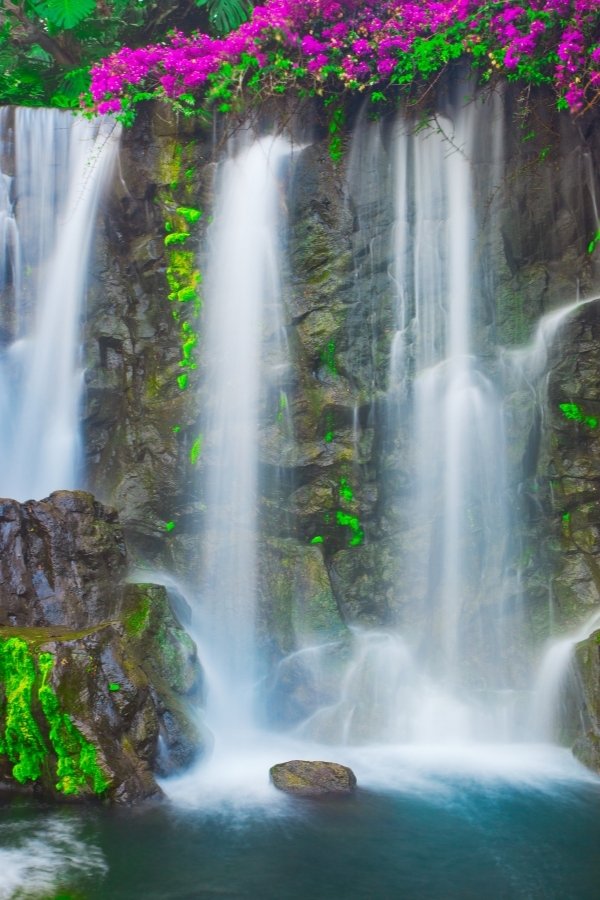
<point>305,778</point>
<point>118,704</point>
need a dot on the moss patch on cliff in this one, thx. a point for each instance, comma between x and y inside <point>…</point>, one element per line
<point>24,675</point>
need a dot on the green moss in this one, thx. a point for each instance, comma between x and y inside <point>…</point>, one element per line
<point>575,414</point>
<point>22,741</point>
<point>169,526</point>
<point>138,620</point>
<point>346,492</point>
<point>353,524</point>
<point>77,766</point>
<point>177,237</point>
<point>328,357</point>
<point>183,278</point>
<point>189,213</point>
<point>196,450</point>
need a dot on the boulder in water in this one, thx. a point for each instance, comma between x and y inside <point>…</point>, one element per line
<point>314,778</point>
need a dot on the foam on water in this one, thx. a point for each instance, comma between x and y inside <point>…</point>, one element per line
<point>45,859</point>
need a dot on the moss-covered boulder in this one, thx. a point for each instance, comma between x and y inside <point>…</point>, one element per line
<point>103,710</point>
<point>101,701</point>
<point>315,778</point>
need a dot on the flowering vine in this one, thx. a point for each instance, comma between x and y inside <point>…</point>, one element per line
<point>328,47</point>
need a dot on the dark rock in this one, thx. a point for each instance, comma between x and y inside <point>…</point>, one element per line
<point>62,561</point>
<point>98,679</point>
<point>306,778</point>
<point>587,666</point>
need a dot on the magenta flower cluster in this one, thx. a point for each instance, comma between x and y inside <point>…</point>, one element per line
<point>367,43</point>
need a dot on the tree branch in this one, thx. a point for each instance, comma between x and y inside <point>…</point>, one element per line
<point>33,34</point>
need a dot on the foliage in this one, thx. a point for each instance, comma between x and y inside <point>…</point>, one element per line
<point>225,15</point>
<point>64,13</point>
<point>48,46</point>
<point>325,48</point>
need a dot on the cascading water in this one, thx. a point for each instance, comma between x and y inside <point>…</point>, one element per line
<point>454,413</point>
<point>59,166</point>
<point>443,673</point>
<point>449,668</point>
<point>527,369</point>
<point>242,329</point>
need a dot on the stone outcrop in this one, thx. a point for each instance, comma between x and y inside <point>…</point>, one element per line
<point>62,561</point>
<point>587,667</point>
<point>305,778</point>
<point>97,677</point>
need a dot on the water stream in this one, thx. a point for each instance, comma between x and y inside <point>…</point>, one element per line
<point>243,292</point>
<point>59,167</point>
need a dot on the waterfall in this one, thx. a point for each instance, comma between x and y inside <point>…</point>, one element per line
<point>443,672</point>
<point>59,166</point>
<point>242,298</point>
<point>528,367</point>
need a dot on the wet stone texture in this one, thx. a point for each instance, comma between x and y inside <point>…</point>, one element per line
<point>305,778</point>
<point>98,679</point>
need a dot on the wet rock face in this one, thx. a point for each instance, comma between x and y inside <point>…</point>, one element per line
<point>98,679</point>
<point>562,487</point>
<point>62,561</point>
<point>305,778</point>
<point>587,667</point>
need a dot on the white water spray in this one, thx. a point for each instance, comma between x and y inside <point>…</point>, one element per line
<point>243,289</point>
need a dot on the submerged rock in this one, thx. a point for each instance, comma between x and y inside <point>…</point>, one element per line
<point>97,699</point>
<point>315,778</point>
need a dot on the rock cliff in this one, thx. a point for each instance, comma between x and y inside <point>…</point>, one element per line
<point>97,676</point>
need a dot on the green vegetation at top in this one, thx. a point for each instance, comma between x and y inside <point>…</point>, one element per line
<point>48,46</point>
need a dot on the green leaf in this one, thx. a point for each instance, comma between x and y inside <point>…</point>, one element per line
<point>225,15</point>
<point>66,13</point>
